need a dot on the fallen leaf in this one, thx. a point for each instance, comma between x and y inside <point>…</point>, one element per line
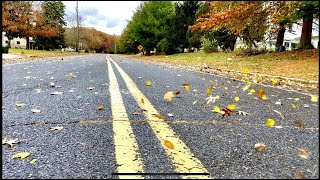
<point>261,92</point>
<point>225,111</point>
<point>299,124</point>
<point>293,106</point>
<point>100,107</point>
<point>91,88</point>
<point>270,123</point>
<point>212,99</point>
<point>19,104</point>
<point>278,103</point>
<point>169,96</point>
<point>259,146</point>
<point>245,71</point>
<point>56,93</point>
<point>243,113</point>
<point>184,84</point>
<point>194,102</point>
<point>214,121</point>
<point>170,115</point>
<point>306,105</point>
<point>314,98</point>
<point>12,141</point>
<point>208,91</point>
<point>252,90</point>
<point>35,110</point>
<point>216,109</point>
<point>232,107</point>
<point>299,175</point>
<point>303,153</point>
<point>148,83</point>
<point>33,161</point>
<point>282,117</point>
<point>158,116</point>
<point>236,99</point>
<point>296,99</point>
<point>56,128</point>
<point>178,92</point>
<point>274,81</point>
<point>264,97</point>
<point>168,144</point>
<point>4,140</point>
<point>21,155</point>
<point>187,88</point>
<point>142,101</point>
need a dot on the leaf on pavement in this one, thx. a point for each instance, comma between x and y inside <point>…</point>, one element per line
<point>20,104</point>
<point>208,91</point>
<point>4,140</point>
<point>314,98</point>
<point>303,153</point>
<point>91,88</point>
<point>261,92</point>
<point>252,90</point>
<point>187,88</point>
<point>33,161</point>
<point>259,146</point>
<point>270,123</point>
<point>299,124</point>
<point>243,113</point>
<point>296,99</point>
<point>237,99</point>
<point>168,96</point>
<point>21,155</point>
<point>293,106</point>
<point>148,83</point>
<point>178,92</point>
<point>212,99</point>
<point>100,107</point>
<point>232,107</point>
<point>306,105</point>
<point>299,175</point>
<point>170,115</point>
<point>168,144</point>
<point>35,110</point>
<point>12,141</point>
<point>142,100</point>
<point>194,102</point>
<point>282,117</point>
<point>264,97</point>
<point>56,128</point>
<point>245,71</point>
<point>216,109</point>
<point>184,84</point>
<point>225,112</point>
<point>56,93</point>
<point>158,116</point>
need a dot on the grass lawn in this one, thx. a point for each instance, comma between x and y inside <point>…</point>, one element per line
<point>294,64</point>
<point>41,53</point>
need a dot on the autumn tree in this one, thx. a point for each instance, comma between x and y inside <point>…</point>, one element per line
<point>246,19</point>
<point>16,16</point>
<point>48,31</point>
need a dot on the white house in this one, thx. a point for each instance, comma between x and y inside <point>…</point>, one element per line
<point>19,43</point>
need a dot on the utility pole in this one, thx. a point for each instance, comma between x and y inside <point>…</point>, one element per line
<point>77,46</point>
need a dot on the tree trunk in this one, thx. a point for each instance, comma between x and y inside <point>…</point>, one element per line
<point>280,36</point>
<point>28,42</point>
<point>305,40</point>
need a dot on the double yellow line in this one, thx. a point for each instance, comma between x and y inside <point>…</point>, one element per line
<point>126,148</point>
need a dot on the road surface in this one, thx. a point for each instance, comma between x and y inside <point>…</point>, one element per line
<point>136,133</point>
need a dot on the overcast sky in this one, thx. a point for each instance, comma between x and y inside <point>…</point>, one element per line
<point>107,16</point>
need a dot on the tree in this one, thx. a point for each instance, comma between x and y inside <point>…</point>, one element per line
<point>48,31</point>
<point>244,18</point>
<point>16,17</point>
<point>307,11</point>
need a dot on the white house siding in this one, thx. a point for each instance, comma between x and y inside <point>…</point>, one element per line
<point>15,42</point>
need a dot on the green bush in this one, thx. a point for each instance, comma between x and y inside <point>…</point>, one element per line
<point>5,49</point>
<point>165,46</point>
<point>209,45</point>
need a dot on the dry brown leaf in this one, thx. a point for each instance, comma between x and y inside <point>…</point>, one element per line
<point>303,153</point>
<point>158,116</point>
<point>169,96</point>
<point>299,175</point>
<point>142,100</point>
<point>259,146</point>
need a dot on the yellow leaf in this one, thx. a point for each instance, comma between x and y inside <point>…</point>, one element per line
<point>259,146</point>
<point>296,99</point>
<point>148,83</point>
<point>270,123</point>
<point>245,71</point>
<point>226,88</point>
<point>232,107</point>
<point>228,82</point>
<point>4,140</point>
<point>168,144</point>
<point>261,92</point>
<point>216,109</point>
<point>187,88</point>
<point>252,91</point>
<point>246,87</point>
<point>142,100</point>
<point>208,91</point>
<point>293,106</point>
<point>158,116</point>
<point>33,161</point>
<point>264,97</point>
<point>303,153</point>
<point>274,81</point>
<point>314,98</point>
<point>100,107</point>
<point>21,155</point>
<point>237,99</point>
<point>169,96</point>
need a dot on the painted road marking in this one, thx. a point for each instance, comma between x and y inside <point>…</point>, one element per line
<point>126,147</point>
<point>182,158</point>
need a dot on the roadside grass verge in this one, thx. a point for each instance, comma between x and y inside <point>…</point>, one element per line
<point>300,64</point>
<point>41,53</point>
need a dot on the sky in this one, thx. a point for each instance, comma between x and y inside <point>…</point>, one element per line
<point>110,17</point>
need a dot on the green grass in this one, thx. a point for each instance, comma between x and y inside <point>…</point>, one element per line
<point>295,64</point>
<point>41,53</point>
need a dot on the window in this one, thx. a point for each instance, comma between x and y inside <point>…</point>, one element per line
<point>18,42</point>
<point>293,45</point>
<point>7,42</point>
<point>286,44</point>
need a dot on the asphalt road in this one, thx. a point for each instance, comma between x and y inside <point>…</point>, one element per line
<point>85,147</point>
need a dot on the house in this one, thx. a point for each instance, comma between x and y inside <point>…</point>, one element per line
<point>18,42</point>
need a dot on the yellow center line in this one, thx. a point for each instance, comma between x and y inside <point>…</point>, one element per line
<point>183,159</point>
<point>126,147</point>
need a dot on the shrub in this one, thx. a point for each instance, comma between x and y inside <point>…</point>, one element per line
<point>209,45</point>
